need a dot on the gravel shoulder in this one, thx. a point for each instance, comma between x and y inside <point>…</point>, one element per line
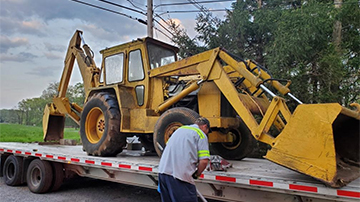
<point>81,189</point>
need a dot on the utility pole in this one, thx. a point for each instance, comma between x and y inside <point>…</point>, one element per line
<point>337,28</point>
<point>150,18</point>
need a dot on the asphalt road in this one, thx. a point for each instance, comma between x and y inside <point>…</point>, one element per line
<point>81,190</point>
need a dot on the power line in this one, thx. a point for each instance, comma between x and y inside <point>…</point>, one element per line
<point>186,3</point>
<point>203,9</point>
<point>162,33</point>
<point>194,11</point>
<point>105,9</point>
<point>125,15</point>
<point>133,4</point>
<point>164,27</point>
<point>115,4</point>
<point>143,21</point>
<point>121,6</point>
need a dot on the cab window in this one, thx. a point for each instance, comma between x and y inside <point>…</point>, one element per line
<point>136,70</point>
<point>114,67</point>
<point>159,56</point>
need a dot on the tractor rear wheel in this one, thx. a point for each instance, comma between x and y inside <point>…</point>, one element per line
<point>242,145</point>
<point>100,126</point>
<point>168,122</point>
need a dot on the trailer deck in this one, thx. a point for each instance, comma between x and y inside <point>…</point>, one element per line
<point>248,180</point>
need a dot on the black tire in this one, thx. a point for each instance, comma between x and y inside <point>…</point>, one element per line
<point>242,145</point>
<point>100,126</point>
<point>39,176</point>
<point>58,176</point>
<point>13,170</point>
<point>168,122</point>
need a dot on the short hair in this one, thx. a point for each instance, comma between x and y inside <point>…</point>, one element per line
<point>202,121</point>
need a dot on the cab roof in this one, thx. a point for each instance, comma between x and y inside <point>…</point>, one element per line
<point>141,41</point>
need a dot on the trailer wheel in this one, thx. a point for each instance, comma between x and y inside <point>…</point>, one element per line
<point>13,170</point>
<point>168,122</point>
<point>242,145</point>
<point>58,176</point>
<point>100,126</point>
<point>39,176</point>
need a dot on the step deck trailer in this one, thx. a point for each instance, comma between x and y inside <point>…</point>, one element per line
<point>248,180</point>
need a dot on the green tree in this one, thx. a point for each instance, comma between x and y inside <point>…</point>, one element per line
<point>10,116</point>
<point>349,15</point>
<point>30,110</point>
<point>186,45</point>
<point>294,40</point>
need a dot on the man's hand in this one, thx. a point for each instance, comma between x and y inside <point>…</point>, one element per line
<point>194,175</point>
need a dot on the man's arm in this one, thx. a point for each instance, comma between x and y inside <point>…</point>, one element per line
<point>202,165</point>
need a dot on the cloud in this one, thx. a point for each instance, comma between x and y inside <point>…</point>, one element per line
<point>52,47</point>
<point>20,57</point>
<point>52,56</point>
<point>43,71</point>
<point>7,43</point>
<point>10,26</point>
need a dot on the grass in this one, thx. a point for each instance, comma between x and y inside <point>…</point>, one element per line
<point>23,133</point>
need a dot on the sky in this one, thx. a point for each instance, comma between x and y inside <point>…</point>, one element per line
<point>34,35</point>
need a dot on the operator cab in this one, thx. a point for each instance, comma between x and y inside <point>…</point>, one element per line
<point>135,59</point>
<point>160,53</point>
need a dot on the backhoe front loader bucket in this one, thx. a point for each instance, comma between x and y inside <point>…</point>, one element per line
<point>53,124</point>
<point>322,141</point>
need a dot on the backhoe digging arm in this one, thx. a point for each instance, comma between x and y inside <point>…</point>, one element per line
<point>54,113</point>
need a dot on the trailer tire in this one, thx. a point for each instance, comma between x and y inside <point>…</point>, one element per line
<point>242,145</point>
<point>39,176</point>
<point>168,122</point>
<point>13,170</point>
<point>58,176</point>
<point>100,126</point>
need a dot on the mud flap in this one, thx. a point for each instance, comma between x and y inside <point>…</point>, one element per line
<point>322,141</point>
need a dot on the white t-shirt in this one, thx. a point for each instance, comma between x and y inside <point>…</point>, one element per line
<point>185,148</point>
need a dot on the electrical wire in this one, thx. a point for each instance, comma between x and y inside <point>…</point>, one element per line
<point>121,6</point>
<point>194,11</point>
<point>105,9</point>
<point>133,4</point>
<point>204,10</point>
<point>115,4</point>
<point>186,3</point>
<point>119,13</point>
<point>163,26</point>
<point>163,33</point>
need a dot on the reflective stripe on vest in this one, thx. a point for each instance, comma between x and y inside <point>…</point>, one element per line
<point>203,153</point>
<point>197,130</point>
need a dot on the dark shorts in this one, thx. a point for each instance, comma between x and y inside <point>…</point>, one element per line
<point>174,190</point>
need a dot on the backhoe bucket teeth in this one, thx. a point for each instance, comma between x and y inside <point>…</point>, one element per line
<point>53,124</point>
<point>322,141</point>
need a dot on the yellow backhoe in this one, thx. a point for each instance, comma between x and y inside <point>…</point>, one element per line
<point>143,89</point>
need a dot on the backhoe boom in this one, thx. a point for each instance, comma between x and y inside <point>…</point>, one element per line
<point>61,105</point>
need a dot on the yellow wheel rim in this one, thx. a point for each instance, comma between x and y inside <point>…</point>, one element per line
<point>170,130</point>
<point>236,140</point>
<point>94,125</point>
